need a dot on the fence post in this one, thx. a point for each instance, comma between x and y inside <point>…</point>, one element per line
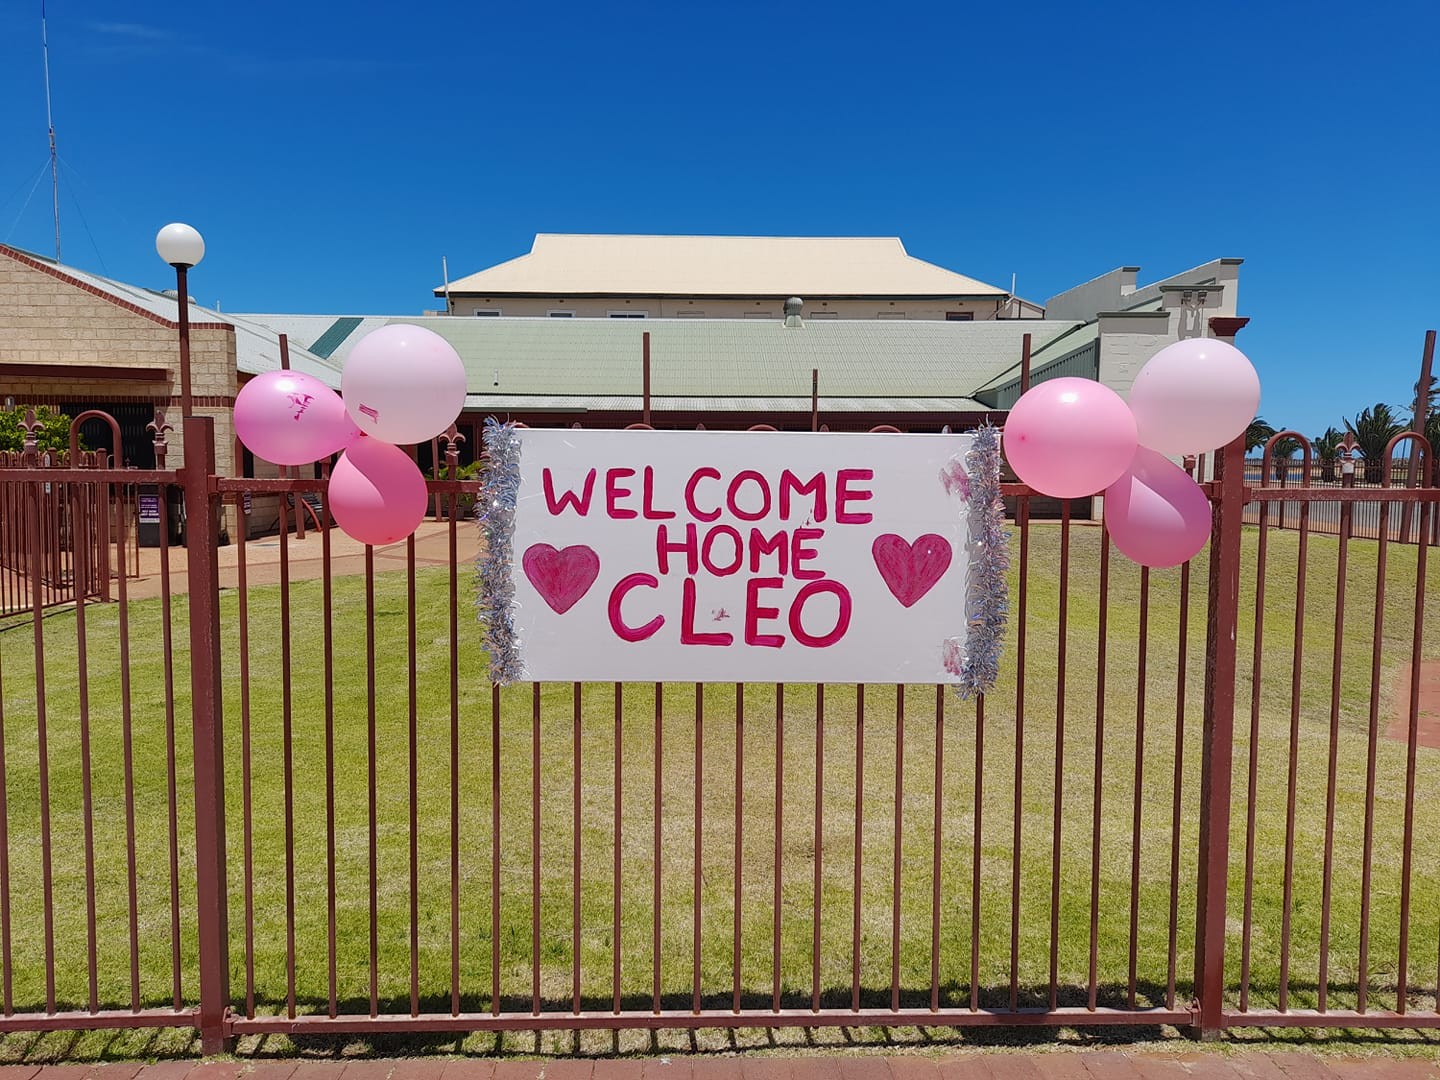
<point>1217,737</point>
<point>202,559</point>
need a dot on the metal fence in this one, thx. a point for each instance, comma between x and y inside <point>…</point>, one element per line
<point>336,824</point>
<point>57,540</point>
<point>1334,474</point>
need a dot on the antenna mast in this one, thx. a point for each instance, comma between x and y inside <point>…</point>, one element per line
<point>50,122</point>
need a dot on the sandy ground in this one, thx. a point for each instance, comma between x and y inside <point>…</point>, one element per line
<point>262,558</point>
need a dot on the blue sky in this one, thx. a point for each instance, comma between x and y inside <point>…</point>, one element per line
<point>331,155</point>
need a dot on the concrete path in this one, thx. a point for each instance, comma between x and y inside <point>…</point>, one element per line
<point>262,558</point>
<point>1052,1065</point>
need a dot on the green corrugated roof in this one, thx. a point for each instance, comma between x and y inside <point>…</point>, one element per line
<point>330,340</point>
<point>733,357</point>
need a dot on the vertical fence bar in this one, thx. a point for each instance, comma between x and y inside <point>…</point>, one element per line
<point>495,849</point>
<point>779,839</point>
<point>1342,569</point>
<point>615,868</point>
<point>1216,739</point>
<point>81,539</point>
<point>42,745</point>
<point>859,843</point>
<point>327,596</point>
<point>819,846</point>
<point>739,840</point>
<point>1059,795</point>
<point>1099,784</point>
<point>288,749</point>
<point>247,813</point>
<point>1022,514</point>
<point>208,731</point>
<point>1177,781</point>
<point>576,699</point>
<point>1253,754</point>
<point>699,832</point>
<point>414,777</point>
<point>935,855</point>
<point>1138,801</point>
<point>452,536</point>
<point>1367,857</point>
<point>371,768</point>
<point>127,729</point>
<point>655,884</point>
<point>7,972</point>
<point>1293,772</point>
<point>1402,967</point>
<point>535,848</point>
<point>898,845</point>
<point>975,849</point>
<point>172,817</point>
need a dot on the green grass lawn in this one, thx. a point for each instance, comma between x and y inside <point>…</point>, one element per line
<point>1116,767</point>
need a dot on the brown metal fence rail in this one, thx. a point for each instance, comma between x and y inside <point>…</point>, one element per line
<point>385,842</point>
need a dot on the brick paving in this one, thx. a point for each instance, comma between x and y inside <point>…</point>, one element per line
<point>1052,1065</point>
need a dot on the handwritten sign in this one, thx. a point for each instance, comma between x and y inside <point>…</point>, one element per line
<point>724,556</point>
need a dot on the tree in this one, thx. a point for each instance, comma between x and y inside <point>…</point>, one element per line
<point>1257,434</point>
<point>1373,429</point>
<point>1327,449</point>
<point>52,434</point>
<point>1280,457</point>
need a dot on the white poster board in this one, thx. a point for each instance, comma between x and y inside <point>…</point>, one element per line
<point>739,556</point>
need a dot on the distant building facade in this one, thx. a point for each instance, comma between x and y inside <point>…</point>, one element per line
<point>725,277</point>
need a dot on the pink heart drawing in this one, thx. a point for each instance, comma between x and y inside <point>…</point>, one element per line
<point>911,569</point>
<point>561,577</point>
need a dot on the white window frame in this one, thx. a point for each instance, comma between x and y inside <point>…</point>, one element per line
<point>628,313</point>
<point>560,313</point>
<point>487,312</point>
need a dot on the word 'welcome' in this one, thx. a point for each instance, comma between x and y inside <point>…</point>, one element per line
<point>690,537</point>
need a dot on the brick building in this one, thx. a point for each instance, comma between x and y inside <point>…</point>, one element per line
<point>77,341</point>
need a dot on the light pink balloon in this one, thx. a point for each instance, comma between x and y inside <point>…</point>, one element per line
<point>403,384</point>
<point>1193,396</point>
<point>288,418</point>
<point>1155,514</point>
<point>1069,437</point>
<point>377,493</point>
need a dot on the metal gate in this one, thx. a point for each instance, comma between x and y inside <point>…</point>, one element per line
<point>382,841</point>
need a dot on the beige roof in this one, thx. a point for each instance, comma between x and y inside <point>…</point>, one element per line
<point>781,266</point>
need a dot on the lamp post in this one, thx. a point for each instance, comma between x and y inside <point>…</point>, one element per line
<point>182,247</point>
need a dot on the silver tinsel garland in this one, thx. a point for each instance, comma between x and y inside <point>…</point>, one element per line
<point>976,660</point>
<point>495,513</point>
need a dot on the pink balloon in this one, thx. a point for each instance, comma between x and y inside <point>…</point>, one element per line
<point>403,384</point>
<point>1069,437</point>
<point>1193,396</point>
<point>376,492</point>
<point>1155,514</point>
<point>288,418</point>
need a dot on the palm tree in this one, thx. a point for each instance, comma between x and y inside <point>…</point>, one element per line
<point>1257,434</point>
<point>1373,429</point>
<point>1280,459</point>
<point>1327,449</point>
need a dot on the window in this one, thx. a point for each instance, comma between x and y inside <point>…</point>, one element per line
<point>629,314</point>
<point>823,315</point>
<point>689,313</point>
<point>560,314</point>
<point>491,312</point>
<point>761,315</point>
<point>959,316</point>
<point>890,314</point>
